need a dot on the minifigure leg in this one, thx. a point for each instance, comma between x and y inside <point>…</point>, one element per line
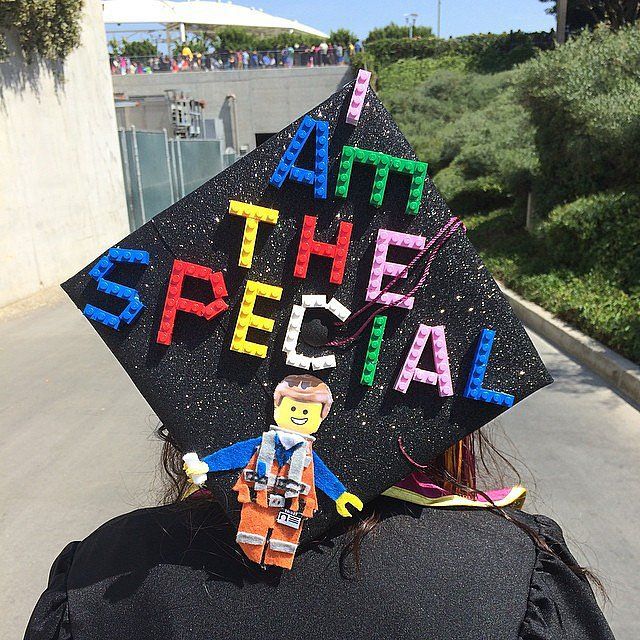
<point>282,546</point>
<point>255,522</point>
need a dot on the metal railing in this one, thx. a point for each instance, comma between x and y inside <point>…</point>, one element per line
<point>228,61</point>
<point>159,170</point>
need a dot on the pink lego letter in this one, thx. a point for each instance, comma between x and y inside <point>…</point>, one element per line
<point>410,370</point>
<point>381,267</point>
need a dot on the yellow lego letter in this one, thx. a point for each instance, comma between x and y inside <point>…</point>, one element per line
<point>254,215</point>
<point>246,318</point>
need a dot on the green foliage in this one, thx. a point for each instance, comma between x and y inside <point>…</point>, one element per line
<point>343,37</point>
<point>133,49</point>
<point>477,139</point>
<point>46,28</point>
<point>486,52</point>
<point>584,100</point>
<point>388,50</point>
<point>396,31</point>
<point>601,230</point>
<point>591,300</point>
<point>494,52</point>
<point>237,38</point>
<point>403,75</point>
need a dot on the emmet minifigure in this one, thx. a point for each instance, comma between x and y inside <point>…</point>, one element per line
<point>277,487</point>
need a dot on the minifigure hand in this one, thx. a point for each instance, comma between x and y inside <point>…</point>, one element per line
<point>347,498</point>
<point>195,469</point>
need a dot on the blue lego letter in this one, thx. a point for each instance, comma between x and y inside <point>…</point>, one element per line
<point>474,389</point>
<point>286,167</point>
<point>104,266</point>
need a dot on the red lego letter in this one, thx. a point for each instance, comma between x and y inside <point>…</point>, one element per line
<point>175,302</point>
<point>337,252</point>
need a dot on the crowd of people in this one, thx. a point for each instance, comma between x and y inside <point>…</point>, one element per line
<point>321,55</point>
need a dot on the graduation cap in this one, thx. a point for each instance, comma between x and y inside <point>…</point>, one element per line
<point>293,317</point>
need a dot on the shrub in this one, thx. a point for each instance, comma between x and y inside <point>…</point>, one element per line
<point>602,231</point>
<point>425,112</point>
<point>394,30</point>
<point>404,75</point>
<point>592,300</point>
<point>388,50</point>
<point>584,100</point>
<point>50,29</point>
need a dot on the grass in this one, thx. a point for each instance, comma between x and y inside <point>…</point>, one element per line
<point>589,300</point>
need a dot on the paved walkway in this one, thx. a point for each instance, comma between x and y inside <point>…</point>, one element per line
<point>65,402</point>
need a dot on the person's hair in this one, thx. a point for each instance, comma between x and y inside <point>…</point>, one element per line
<point>456,470</point>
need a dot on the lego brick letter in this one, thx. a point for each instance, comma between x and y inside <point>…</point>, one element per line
<point>247,319</point>
<point>254,215</point>
<point>381,267</point>
<point>286,166</point>
<point>103,267</point>
<point>384,164</point>
<point>474,389</point>
<point>174,301</point>
<point>337,252</point>
<point>410,370</point>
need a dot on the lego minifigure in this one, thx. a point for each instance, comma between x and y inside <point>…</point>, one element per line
<point>277,486</point>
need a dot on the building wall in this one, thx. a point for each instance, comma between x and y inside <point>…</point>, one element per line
<point>267,99</point>
<point>61,187</point>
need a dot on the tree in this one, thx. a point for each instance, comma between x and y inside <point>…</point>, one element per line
<point>50,30</point>
<point>134,49</point>
<point>587,13</point>
<point>342,36</point>
<point>395,31</point>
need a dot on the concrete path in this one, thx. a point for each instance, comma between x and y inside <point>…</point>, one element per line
<point>65,402</point>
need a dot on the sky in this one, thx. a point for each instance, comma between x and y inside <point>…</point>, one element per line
<point>459,17</point>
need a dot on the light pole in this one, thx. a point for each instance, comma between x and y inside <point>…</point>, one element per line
<point>410,19</point>
<point>438,21</point>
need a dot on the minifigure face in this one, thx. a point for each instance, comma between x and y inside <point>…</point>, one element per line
<point>295,415</point>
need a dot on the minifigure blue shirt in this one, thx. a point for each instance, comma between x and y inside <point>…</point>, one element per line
<point>237,455</point>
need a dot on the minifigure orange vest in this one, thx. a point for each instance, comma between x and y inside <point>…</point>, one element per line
<point>306,501</point>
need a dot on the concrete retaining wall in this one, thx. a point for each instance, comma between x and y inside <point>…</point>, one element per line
<point>267,99</point>
<point>61,188</point>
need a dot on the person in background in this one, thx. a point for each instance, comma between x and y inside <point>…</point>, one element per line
<point>351,51</point>
<point>358,46</point>
<point>187,53</point>
<point>254,61</point>
<point>323,49</point>
<point>339,54</point>
<point>331,54</point>
<point>245,59</point>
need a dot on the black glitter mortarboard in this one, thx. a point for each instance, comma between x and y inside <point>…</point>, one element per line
<point>210,396</point>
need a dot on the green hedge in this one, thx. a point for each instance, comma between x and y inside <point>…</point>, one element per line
<point>488,52</point>
<point>591,300</point>
<point>602,231</point>
<point>584,101</point>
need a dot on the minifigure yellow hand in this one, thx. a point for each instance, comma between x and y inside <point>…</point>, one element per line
<point>195,468</point>
<point>347,498</point>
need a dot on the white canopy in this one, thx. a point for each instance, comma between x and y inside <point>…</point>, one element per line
<point>200,14</point>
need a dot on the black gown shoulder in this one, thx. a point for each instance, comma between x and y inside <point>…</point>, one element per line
<point>175,572</point>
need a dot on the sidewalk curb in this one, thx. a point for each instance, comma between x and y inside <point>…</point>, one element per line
<point>622,374</point>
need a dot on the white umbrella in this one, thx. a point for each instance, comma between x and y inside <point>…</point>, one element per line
<point>201,14</point>
<point>138,11</point>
